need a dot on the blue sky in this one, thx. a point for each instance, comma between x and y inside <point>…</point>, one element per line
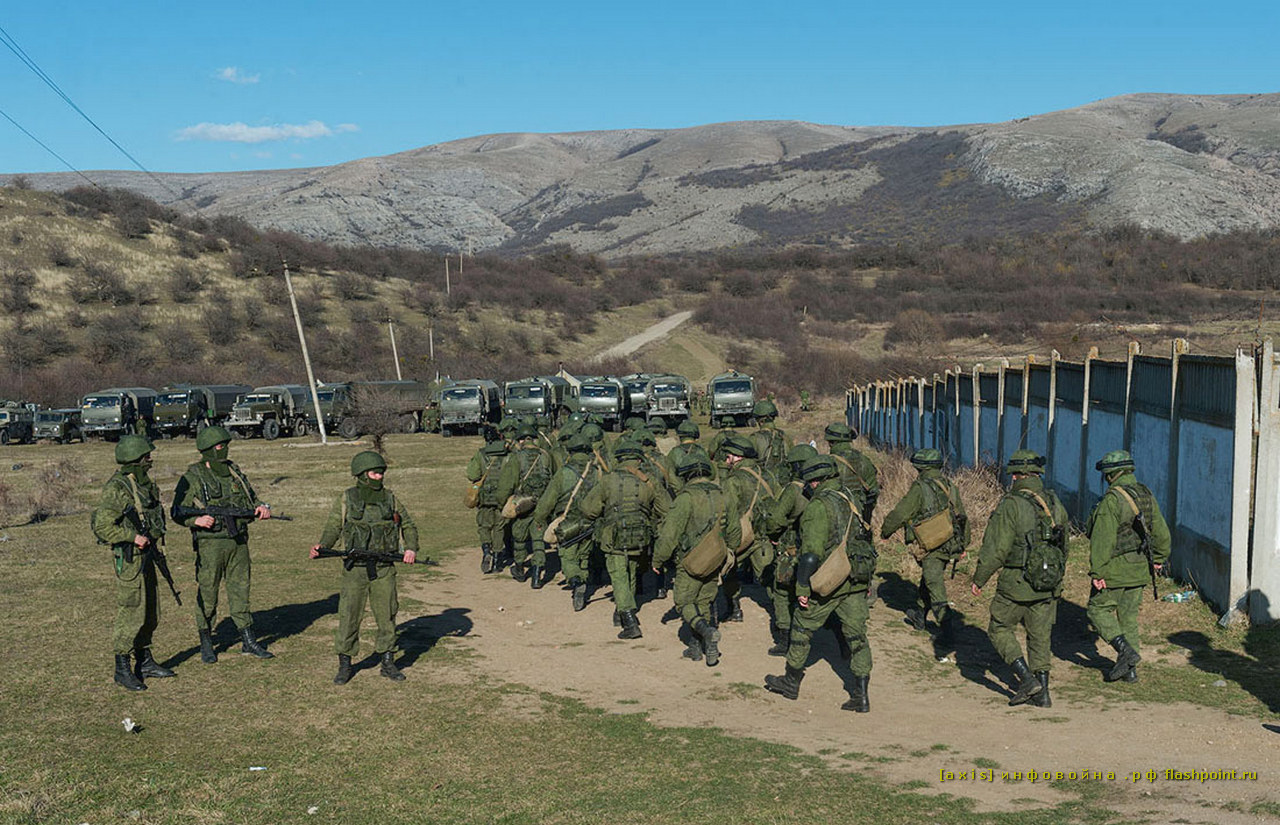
<point>195,87</point>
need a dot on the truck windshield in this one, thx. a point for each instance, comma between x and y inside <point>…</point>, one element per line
<point>259,398</point>
<point>325,396</point>
<point>172,398</point>
<point>668,389</point>
<point>732,387</point>
<point>598,391</point>
<point>46,417</point>
<point>525,392</point>
<point>101,402</point>
<point>462,394</point>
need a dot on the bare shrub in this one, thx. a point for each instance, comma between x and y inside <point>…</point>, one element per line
<point>351,287</point>
<point>56,486</point>
<point>113,338</point>
<point>915,328</point>
<point>186,283</point>
<point>219,319</point>
<point>18,289</point>
<point>60,254</point>
<point>100,283</point>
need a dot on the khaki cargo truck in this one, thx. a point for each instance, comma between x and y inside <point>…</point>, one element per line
<point>271,412</point>
<point>186,409</point>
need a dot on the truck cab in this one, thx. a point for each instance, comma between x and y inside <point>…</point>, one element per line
<point>732,396</point>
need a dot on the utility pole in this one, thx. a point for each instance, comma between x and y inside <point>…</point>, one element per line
<point>306,357</point>
<point>459,262</point>
<point>446,275</point>
<point>431,342</point>
<point>395,355</point>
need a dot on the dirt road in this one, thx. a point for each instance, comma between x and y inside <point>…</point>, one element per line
<point>653,333</point>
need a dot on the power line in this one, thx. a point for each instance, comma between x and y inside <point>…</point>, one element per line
<point>65,162</point>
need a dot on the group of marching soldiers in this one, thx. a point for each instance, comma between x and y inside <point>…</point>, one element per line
<point>697,520</point>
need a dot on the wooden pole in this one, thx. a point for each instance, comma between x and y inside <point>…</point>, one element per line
<point>446,274</point>
<point>395,354</point>
<point>306,357</point>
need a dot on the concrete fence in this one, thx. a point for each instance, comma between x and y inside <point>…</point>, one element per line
<point>1204,432</point>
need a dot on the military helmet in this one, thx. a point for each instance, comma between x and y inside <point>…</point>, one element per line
<point>498,447</point>
<point>578,443</point>
<point>765,409</point>
<point>130,448</point>
<point>366,461</point>
<point>926,458</point>
<point>740,446</point>
<point>507,424</point>
<point>657,426</point>
<point>490,433</point>
<point>593,432</point>
<point>645,438</point>
<point>526,431</point>
<point>693,466</point>
<point>839,431</point>
<point>1025,462</point>
<point>1115,460</point>
<point>212,437</point>
<point>688,429</point>
<point>627,450</point>
<point>819,468</point>
<point>633,422</point>
<point>801,453</point>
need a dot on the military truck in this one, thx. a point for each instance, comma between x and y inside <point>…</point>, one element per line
<point>62,426</point>
<point>732,396</point>
<point>271,412</point>
<point>16,423</point>
<point>636,384</point>
<point>667,397</point>
<point>606,397</point>
<point>186,409</point>
<point>469,405</point>
<point>543,396</point>
<point>117,411</point>
<point>340,403</point>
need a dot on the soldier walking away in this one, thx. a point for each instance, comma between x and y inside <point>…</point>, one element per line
<point>494,479</point>
<point>535,467</point>
<point>857,473</point>
<point>783,527</point>
<point>130,518</point>
<point>1128,545</point>
<point>221,543</point>
<point>827,584</point>
<point>770,441</point>
<point>932,504</point>
<point>699,531</point>
<point>368,519</point>
<point>753,488</point>
<point>558,516</point>
<point>1026,544</point>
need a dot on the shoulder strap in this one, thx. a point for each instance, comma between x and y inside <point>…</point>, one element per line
<point>574,493</point>
<point>532,467</point>
<point>238,476</point>
<point>849,464</point>
<point>1043,506</point>
<point>1124,494</point>
<point>644,479</point>
<point>853,508</point>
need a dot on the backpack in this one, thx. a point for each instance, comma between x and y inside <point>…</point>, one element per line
<point>1044,560</point>
<point>626,513</point>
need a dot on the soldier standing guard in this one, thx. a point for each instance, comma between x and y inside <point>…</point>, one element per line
<point>221,543</point>
<point>368,517</point>
<point>130,518</point>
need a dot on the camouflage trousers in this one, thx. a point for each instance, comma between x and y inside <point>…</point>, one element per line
<point>137,604</point>
<point>851,608</point>
<point>219,560</point>
<point>692,596</point>
<point>1114,612</point>
<point>932,592</point>
<point>380,593</point>
<point>623,572</point>
<point>492,528</point>
<point>527,544</point>
<point>1037,617</point>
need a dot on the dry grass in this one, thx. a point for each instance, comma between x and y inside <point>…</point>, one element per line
<point>33,494</point>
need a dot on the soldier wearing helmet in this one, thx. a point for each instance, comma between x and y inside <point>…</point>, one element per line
<point>1129,543</point>
<point>753,487</point>
<point>130,518</point>
<point>221,545</point>
<point>856,470</point>
<point>770,441</point>
<point>782,525</point>
<point>495,475</point>
<point>535,467</point>
<point>557,518</point>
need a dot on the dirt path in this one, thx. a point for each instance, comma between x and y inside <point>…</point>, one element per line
<point>918,705</point>
<point>653,333</point>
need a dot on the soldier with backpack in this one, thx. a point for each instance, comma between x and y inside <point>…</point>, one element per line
<point>1026,543</point>
<point>783,527</point>
<point>771,443</point>
<point>1128,545</point>
<point>535,466</point>
<point>857,473</point>
<point>754,489</point>
<point>558,519</point>
<point>493,478</point>
<point>936,527</point>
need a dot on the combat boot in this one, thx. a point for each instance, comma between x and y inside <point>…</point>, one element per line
<point>860,697</point>
<point>389,668</point>
<point>1042,699</point>
<point>535,577</point>
<point>787,685</point>
<point>344,670</point>
<point>124,674</point>
<point>916,618</point>
<point>1131,676</point>
<point>630,625</point>
<point>946,638</point>
<point>519,571</point>
<point>781,641</point>
<point>487,560</point>
<point>207,654</point>
<point>617,618</point>
<point>1126,658</point>
<point>710,641</point>
<point>734,613</point>
<point>693,647</point>
<point>250,646</point>
<point>579,594</point>
<point>1028,685</point>
<point>149,668</point>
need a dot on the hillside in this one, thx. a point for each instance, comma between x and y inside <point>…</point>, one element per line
<point>1181,164</point>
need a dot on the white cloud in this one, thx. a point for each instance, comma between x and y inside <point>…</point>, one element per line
<point>232,74</point>
<point>244,133</point>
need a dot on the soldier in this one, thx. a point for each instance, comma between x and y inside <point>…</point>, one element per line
<point>536,468</point>
<point>221,544</point>
<point>930,494</point>
<point>831,523</point>
<point>560,507</point>
<point>688,433</point>
<point>700,508</point>
<point>717,442</point>
<point>368,517</point>
<point>626,502</point>
<point>633,423</point>
<point>130,518</point>
<point>496,478</point>
<point>783,527</point>
<point>856,470</point>
<point>753,489</point>
<point>1022,545</point>
<point>1128,545</point>
<point>431,417</point>
<point>507,427</point>
<point>771,442</point>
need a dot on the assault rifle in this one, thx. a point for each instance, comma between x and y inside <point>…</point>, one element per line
<point>579,538</point>
<point>229,516</point>
<point>1144,536</point>
<point>369,558</point>
<point>158,557</point>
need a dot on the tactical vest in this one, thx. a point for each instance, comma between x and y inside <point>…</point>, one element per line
<point>146,501</point>
<point>372,527</point>
<point>1127,540</point>
<point>492,473</point>
<point>839,517</point>
<point>627,511</point>
<point>771,447</point>
<point>938,494</point>
<point>214,490</point>
<point>1044,546</point>
<point>535,471</point>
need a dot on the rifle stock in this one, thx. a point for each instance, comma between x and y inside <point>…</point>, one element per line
<point>158,558</point>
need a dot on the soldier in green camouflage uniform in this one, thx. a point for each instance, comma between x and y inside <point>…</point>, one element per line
<point>770,441</point>
<point>497,474</point>
<point>431,418</point>
<point>368,517</point>
<point>688,433</point>
<point>929,494</point>
<point>782,525</point>
<point>856,470</point>
<point>1005,547</point>
<point>830,518</point>
<point>753,489</point>
<point>700,508</point>
<point>130,518</point>
<point>1117,564</point>
<point>536,467</point>
<point>221,545</point>
<point>563,497</point>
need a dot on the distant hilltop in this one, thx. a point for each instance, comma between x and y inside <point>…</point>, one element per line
<point>1187,165</point>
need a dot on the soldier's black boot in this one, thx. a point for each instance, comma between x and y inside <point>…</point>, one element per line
<point>125,677</point>
<point>693,647</point>
<point>1028,685</point>
<point>710,641</point>
<point>860,697</point>
<point>617,618</point>
<point>149,668</point>
<point>389,668</point>
<point>344,670</point>
<point>734,613</point>
<point>579,594</point>
<point>207,654</point>
<point>781,641</point>
<point>1126,658</point>
<point>1042,699</point>
<point>916,618</point>
<point>250,646</point>
<point>630,625</point>
<point>519,571</point>
<point>787,685</point>
<point>487,561</point>
<point>1131,676</point>
<point>535,577</point>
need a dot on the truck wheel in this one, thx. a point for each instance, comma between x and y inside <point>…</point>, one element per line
<point>408,423</point>
<point>301,429</point>
<point>271,429</point>
<point>4,437</point>
<point>347,428</point>
<point>445,432</point>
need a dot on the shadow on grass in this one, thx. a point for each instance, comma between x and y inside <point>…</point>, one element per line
<point>1253,670</point>
<point>417,636</point>
<point>1074,640</point>
<point>270,626</point>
